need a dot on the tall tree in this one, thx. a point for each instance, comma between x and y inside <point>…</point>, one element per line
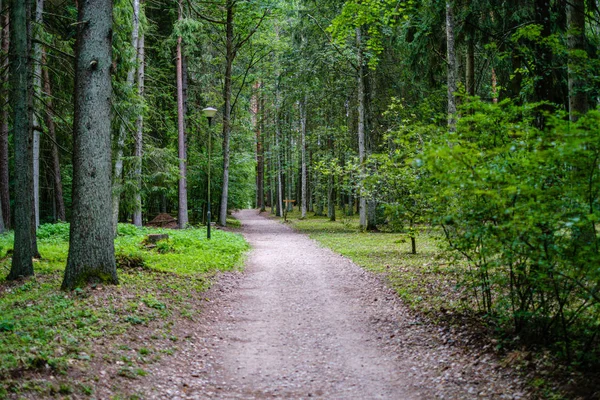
<point>361,125</point>
<point>4,174</point>
<point>578,103</point>
<point>20,16</point>
<point>37,90</point>
<point>303,199</point>
<point>139,136</point>
<point>91,244</point>
<point>232,48</point>
<point>55,157</point>
<point>118,163</point>
<point>452,66</point>
<point>182,214</point>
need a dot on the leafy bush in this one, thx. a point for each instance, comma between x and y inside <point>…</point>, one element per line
<point>521,205</point>
<point>58,232</point>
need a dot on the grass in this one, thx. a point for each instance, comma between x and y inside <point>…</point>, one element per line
<point>426,281</point>
<point>44,330</point>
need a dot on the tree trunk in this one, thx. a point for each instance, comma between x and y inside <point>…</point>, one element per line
<point>361,128</point>
<point>494,87</point>
<point>279,211</point>
<point>91,245</point>
<point>118,168</point>
<point>470,67</point>
<point>182,213</point>
<point>229,56</point>
<point>4,157</point>
<point>37,89</point>
<point>260,154</point>
<point>578,104</point>
<point>139,136</point>
<point>544,85</point>
<point>2,228</point>
<point>304,198</point>
<point>452,67</point>
<point>22,264</point>
<point>55,158</point>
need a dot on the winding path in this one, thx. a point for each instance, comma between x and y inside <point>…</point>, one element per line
<point>303,322</point>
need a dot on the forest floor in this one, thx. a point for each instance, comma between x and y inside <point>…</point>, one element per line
<point>302,322</point>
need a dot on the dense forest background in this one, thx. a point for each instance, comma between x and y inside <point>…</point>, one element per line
<point>475,118</point>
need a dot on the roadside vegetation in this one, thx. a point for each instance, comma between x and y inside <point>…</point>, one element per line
<point>439,284</point>
<point>47,334</point>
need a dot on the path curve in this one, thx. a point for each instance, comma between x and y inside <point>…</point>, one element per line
<point>303,322</point>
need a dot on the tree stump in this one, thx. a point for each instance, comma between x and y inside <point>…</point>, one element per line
<point>156,237</point>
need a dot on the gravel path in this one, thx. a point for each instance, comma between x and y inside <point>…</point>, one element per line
<point>303,322</point>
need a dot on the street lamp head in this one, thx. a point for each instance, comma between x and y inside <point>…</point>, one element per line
<point>209,112</point>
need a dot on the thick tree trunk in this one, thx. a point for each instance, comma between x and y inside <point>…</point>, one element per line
<point>4,175</point>
<point>304,198</point>
<point>22,264</point>
<point>59,202</point>
<point>229,56</point>
<point>578,103</point>
<point>139,135</point>
<point>182,213</point>
<point>37,89</point>
<point>361,128</point>
<point>91,245</point>
<point>452,67</point>
<point>118,166</point>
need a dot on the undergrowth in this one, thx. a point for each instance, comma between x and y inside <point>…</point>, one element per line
<point>44,330</point>
<point>433,283</point>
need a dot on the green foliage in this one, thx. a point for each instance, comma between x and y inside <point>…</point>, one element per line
<point>379,17</point>
<point>521,206</point>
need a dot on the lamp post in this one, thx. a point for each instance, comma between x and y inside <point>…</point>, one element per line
<point>209,113</point>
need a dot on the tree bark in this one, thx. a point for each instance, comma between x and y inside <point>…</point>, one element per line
<point>260,156</point>
<point>139,136</point>
<point>578,104</point>
<point>279,209</point>
<point>452,67</point>
<point>118,166</point>
<point>361,128</point>
<point>37,89</point>
<point>229,56</point>
<point>304,191</point>
<point>4,174</point>
<point>55,158</point>
<point>22,264</point>
<point>182,212</point>
<point>91,245</point>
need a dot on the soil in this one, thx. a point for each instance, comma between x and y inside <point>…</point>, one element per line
<point>303,322</point>
<point>163,221</point>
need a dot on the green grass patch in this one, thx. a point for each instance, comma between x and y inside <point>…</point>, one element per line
<point>45,329</point>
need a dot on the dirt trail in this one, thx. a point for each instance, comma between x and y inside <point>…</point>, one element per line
<point>304,322</point>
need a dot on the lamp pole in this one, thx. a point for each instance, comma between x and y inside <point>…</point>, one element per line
<point>209,113</point>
